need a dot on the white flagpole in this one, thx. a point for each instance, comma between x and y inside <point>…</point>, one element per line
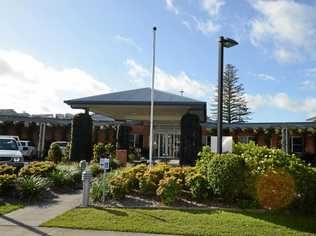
<point>152,101</point>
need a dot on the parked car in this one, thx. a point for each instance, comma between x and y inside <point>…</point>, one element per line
<point>16,138</point>
<point>61,144</point>
<point>28,148</point>
<point>10,153</point>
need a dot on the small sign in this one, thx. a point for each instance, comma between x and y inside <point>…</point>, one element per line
<point>105,163</point>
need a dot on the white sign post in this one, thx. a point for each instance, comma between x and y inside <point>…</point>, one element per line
<point>227,144</point>
<point>105,165</point>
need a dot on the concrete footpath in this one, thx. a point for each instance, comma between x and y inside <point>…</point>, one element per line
<point>26,221</point>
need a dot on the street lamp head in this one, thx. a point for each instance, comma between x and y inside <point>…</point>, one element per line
<point>228,42</point>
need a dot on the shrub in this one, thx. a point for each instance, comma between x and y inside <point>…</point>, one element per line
<point>168,189</point>
<point>179,173</point>
<point>205,157</point>
<point>275,189</point>
<point>148,182</point>
<point>114,163</point>
<point>95,169</point>
<point>198,186</point>
<point>97,188</point>
<point>54,153</point>
<point>98,152</point>
<point>226,175</point>
<point>7,183</point>
<point>191,137</point>
<point>65,178</point>
<point>132,176</point>
<point>38,168</point>
<point>6,169</point>
<point>66,155</point>
<point>118,187</point>
<point>81,141</point>
<point>31,187</point>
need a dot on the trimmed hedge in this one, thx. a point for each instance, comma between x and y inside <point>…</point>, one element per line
<point>81,137</point>
<point>191,136</point>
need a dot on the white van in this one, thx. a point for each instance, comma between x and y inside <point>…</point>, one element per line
<point>10,153</point>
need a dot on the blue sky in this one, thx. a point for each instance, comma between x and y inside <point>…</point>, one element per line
<point>54,50</point>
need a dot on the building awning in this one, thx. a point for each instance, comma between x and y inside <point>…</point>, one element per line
<point>135,105</point>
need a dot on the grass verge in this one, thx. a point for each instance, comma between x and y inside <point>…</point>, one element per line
<point>186,222</point>
<point>8,207</point>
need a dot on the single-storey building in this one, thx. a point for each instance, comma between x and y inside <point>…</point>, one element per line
<point>169,109</point>
<point>131,109</point>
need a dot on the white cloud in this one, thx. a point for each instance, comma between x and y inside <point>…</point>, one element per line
<point>311,72</point>
<point>169,82</point>
<point>27,84</point>
<point>206,27</point>
<point>308,84</point>
<point>255,101</point>
<point>212,7</point>
<point>282,101</point>
<point>289,26</point>
<point>171,7</point>
<point>187,24</point>
<point>128,41</point>
<point>266,77</point>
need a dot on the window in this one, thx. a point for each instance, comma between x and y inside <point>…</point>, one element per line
<point>206,140</point>
<point>297,144</point>
<point>246,139</point>
<point>135,140</point>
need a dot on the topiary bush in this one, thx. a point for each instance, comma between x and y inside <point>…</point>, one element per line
<point>54,153</point>
<point>225,175</point>
<point>81,137</point>
<point>191,139</point>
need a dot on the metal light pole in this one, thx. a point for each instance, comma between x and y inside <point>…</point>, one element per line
<point>227,43</point>
<point>152,100</point>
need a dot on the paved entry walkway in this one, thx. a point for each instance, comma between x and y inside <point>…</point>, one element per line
<point>26,221</point>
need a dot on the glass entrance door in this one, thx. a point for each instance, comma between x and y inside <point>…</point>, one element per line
<point>166,145</point>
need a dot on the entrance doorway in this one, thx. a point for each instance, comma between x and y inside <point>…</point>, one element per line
<point>167,144</point>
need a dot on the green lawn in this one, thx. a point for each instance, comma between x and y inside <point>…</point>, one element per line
<point>186,222</point>
<point>8,207</point>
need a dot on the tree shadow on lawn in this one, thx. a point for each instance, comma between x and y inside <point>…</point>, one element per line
<point>298,222</point>
<point>113,211</point>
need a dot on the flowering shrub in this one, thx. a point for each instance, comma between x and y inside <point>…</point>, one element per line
<point>6,169</point>
<point>148,182</point>
<point>103,151</point>
<point>7,182</point>
<point>168,189</point>
<point>132,175</point>
<point>38,168</point>
<point>180,174</point>
<point>117,187</point>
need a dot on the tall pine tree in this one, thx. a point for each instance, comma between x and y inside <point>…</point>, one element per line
<point>235,107</point>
